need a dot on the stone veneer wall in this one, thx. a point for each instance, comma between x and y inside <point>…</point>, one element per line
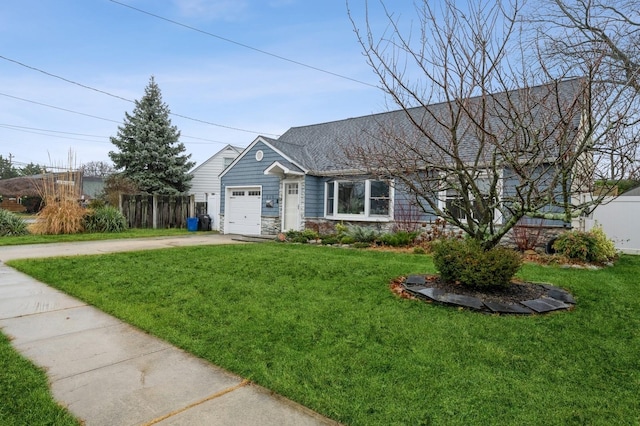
<point>325,225</point>
<point>547,233</point>
<point>270,225</point>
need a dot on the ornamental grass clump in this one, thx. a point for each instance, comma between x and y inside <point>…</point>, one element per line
<point>11,224</point>
<point>465,262</point>
<point>62,212</point>
<point>104,219</point>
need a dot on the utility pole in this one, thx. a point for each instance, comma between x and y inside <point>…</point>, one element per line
<point>10,158</point>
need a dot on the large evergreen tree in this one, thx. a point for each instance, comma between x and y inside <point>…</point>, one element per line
<point>149,152</point>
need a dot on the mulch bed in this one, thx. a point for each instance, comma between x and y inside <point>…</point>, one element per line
<point>515,293</point>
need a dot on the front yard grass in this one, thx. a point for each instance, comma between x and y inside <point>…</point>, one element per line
<point>24,392</point>
<point>94,236</point>
<point>320,326</point>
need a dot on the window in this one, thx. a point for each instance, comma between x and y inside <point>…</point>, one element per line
<point>379,199</point>
<point>351,197</point>
<point>254,193</point>
<point>453,202</point>
<point>358,199</point>
<point>330,198</point>
<point>226,161</point>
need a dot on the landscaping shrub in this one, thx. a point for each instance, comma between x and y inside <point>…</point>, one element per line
<point>465,262</point>
<point>362,234</point>
<point>605,247</point>
<point>11,224</point>
<point>104,219</point>
<point>329,239</point>
<point>399,239</point>
<point>301,236</point>
<point>592,246</point>
<point>347,239</point>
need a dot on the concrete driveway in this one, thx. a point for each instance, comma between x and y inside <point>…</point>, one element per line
<point>111,246</point>
<point>110,373</point>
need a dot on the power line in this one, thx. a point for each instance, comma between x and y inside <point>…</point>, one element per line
<point>238,129</point>
<point>246,46</point>
<point>26,129</point>
<point>61,109</point>
<point>14,127</point>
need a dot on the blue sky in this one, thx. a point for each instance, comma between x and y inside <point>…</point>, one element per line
<point>112,48</point>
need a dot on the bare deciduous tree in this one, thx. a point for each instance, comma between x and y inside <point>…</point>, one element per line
<point>97,169</point>
<point>605,36</point>
<point>487,137</point>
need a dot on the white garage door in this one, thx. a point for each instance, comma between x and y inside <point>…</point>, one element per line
<point>242,211</point>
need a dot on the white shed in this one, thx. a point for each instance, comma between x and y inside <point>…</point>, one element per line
<point>205,184</point>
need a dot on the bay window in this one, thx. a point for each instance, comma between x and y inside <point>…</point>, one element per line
<point>358,199</point>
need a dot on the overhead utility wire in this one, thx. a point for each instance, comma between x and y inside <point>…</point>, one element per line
<point>15,127</point>
<point>20,128</point>
<point>246,46</point>
<point>131,101</point>
<point>61,109</point>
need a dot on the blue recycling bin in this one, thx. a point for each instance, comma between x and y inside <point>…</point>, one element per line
<point>192,224</point>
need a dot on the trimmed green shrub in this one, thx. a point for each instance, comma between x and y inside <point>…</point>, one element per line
<point>329,239</point>
<point>465,262</point>
<point>399,239</point>
<point>592,246</point>
<point>104,219</point>
<point>11,224</point>
<point>347,239</point>
<point>301,236</point>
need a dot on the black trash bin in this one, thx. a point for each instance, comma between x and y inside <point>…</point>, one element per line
<point>204,222</point>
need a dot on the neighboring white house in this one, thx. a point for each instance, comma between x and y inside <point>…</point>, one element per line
<point>205,185</point>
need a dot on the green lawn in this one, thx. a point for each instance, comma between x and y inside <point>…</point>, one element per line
<point>320,326</point>
<point>24,392</point>
<point>131,233</point>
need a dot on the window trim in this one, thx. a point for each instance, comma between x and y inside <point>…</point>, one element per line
<point>497,213</point>
<point>366,216</point>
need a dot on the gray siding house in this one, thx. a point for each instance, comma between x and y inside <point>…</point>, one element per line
<point>303,179</point>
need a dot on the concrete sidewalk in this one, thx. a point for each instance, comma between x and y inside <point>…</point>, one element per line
<point>110,373</point>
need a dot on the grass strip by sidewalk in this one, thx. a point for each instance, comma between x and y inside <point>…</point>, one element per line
<point>94,236</point>
<point>24,393</point>
<point>320,326</point>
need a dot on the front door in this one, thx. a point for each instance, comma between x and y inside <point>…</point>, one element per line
<point>291,206</point>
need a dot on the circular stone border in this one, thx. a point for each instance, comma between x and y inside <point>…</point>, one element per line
<point>552,299</point>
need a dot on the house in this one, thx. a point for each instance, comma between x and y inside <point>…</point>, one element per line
<point>205,184</point>
<point>25,193</point>
<point>304,179</point>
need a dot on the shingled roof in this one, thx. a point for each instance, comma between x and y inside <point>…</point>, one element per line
<point>19,186</point>
<point>319,148</point>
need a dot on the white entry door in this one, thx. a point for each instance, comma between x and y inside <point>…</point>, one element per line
<point>291,219</point>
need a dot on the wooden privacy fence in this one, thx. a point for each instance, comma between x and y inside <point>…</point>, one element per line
<point>157,211</point>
